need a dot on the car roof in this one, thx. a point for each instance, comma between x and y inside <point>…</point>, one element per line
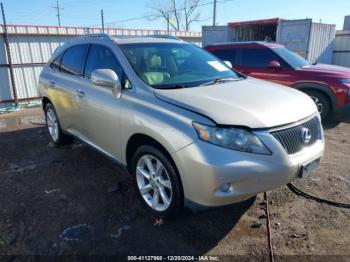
<point>86,39</point>
<point>242,44</point>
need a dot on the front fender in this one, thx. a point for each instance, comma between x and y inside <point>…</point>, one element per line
<point>169,125</point>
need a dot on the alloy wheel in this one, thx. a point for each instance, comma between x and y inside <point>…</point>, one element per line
<point>318,103</point>
<point>52,124</point>
<point>154,183</point>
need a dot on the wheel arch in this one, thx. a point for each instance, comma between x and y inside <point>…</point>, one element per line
<point>140,139</point>
<point>319,87</point>
<point>45,101</point>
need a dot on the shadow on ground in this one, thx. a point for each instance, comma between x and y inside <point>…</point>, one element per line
<point>58,201</point>
<point>334,121</point>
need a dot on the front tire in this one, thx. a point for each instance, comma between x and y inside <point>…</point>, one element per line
<point>157,182</point>
<point>53,126</point>
<point>322,103</point>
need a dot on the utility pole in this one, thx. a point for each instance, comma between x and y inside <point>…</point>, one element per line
<point>58,9</point>
<point>168,24</point>
<point>102,21</point>
<point>8,53</point>
<point>214,14</point>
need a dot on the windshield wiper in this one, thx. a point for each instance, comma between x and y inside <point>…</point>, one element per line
<point>219,81</point>
<point>175,86</point>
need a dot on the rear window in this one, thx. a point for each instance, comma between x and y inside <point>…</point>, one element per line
<point>72,59</point>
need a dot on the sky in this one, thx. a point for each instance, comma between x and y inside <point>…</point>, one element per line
<point>87,12</point>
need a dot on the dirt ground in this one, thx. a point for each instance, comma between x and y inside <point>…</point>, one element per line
<point>72,200</point>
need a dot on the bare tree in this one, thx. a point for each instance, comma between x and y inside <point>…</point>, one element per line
<point>190,13</point>
<point>182,12</point>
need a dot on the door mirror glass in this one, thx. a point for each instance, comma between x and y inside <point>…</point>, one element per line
<point>107,78</point>
<point>274,65</point>
<point>228,63</point>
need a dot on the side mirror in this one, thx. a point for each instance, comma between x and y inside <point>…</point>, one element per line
<point>107,78</point>
<point>228,63</point>
<point>274,65</point>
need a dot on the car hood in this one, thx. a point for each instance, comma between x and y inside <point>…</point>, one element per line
<point>325,69</point>
<point>252,103</point>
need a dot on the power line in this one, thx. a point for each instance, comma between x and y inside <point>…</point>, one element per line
<point>158,16</point>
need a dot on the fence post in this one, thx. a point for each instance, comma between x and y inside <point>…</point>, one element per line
<point>8,54</point>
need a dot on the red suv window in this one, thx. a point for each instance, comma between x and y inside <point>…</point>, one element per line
<point>248,57</point>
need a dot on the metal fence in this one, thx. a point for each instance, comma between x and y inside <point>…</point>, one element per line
<point>341,55</point>
<point>30,47</point>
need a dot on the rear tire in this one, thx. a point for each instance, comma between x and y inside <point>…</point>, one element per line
<point>54,127</point>
<point>157,182</point>
<point>322,103</point>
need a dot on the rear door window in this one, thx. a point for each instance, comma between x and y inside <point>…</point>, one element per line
<point>72,60</point>
<point>255,57</point>
<point>101,57</point>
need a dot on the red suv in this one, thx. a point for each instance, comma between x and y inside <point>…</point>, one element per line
<point>328,85</point>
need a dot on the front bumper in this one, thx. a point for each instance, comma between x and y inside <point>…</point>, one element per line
<point>204,167</point>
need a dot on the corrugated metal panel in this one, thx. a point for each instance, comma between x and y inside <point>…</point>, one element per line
<point>5,88</point>
<point>346,23</point>
<point>321,43</point>
<point>342,41</point>
<point>34,49</point>
<point>341,58</point>
<point>27,80</point>
<point>313,41</point>
<point>214,35</point>
<point>2,51</point>
<point>294,34</point>
<point>53,30</point>
<point>341,54</point>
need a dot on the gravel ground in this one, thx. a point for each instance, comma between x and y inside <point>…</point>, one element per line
<point>71,200</point>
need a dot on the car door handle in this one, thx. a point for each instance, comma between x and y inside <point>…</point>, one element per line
<point>80,93</point>
<point>52,83</point>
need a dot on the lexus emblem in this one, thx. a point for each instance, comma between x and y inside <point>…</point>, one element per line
<point>305,135</point>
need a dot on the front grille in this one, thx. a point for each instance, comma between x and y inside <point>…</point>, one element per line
<point>292,138</point>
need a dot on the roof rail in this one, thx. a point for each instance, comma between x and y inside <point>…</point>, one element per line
<point>164,36</point>
<point>101,35</point>
<point>87,36</point>
<point>244,42</point>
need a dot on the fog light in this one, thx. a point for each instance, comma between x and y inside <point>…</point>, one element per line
<point>225,187</point>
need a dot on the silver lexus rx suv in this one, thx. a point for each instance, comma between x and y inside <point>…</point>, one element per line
<point>186,126</point>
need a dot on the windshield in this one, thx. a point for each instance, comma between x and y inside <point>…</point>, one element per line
<point>175,65</point>
<point>291,58</point>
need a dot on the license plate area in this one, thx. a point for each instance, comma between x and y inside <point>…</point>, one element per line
<point>305,170</point>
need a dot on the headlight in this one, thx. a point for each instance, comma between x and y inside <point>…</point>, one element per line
<point>234,138</point>
<point>345,80</point>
